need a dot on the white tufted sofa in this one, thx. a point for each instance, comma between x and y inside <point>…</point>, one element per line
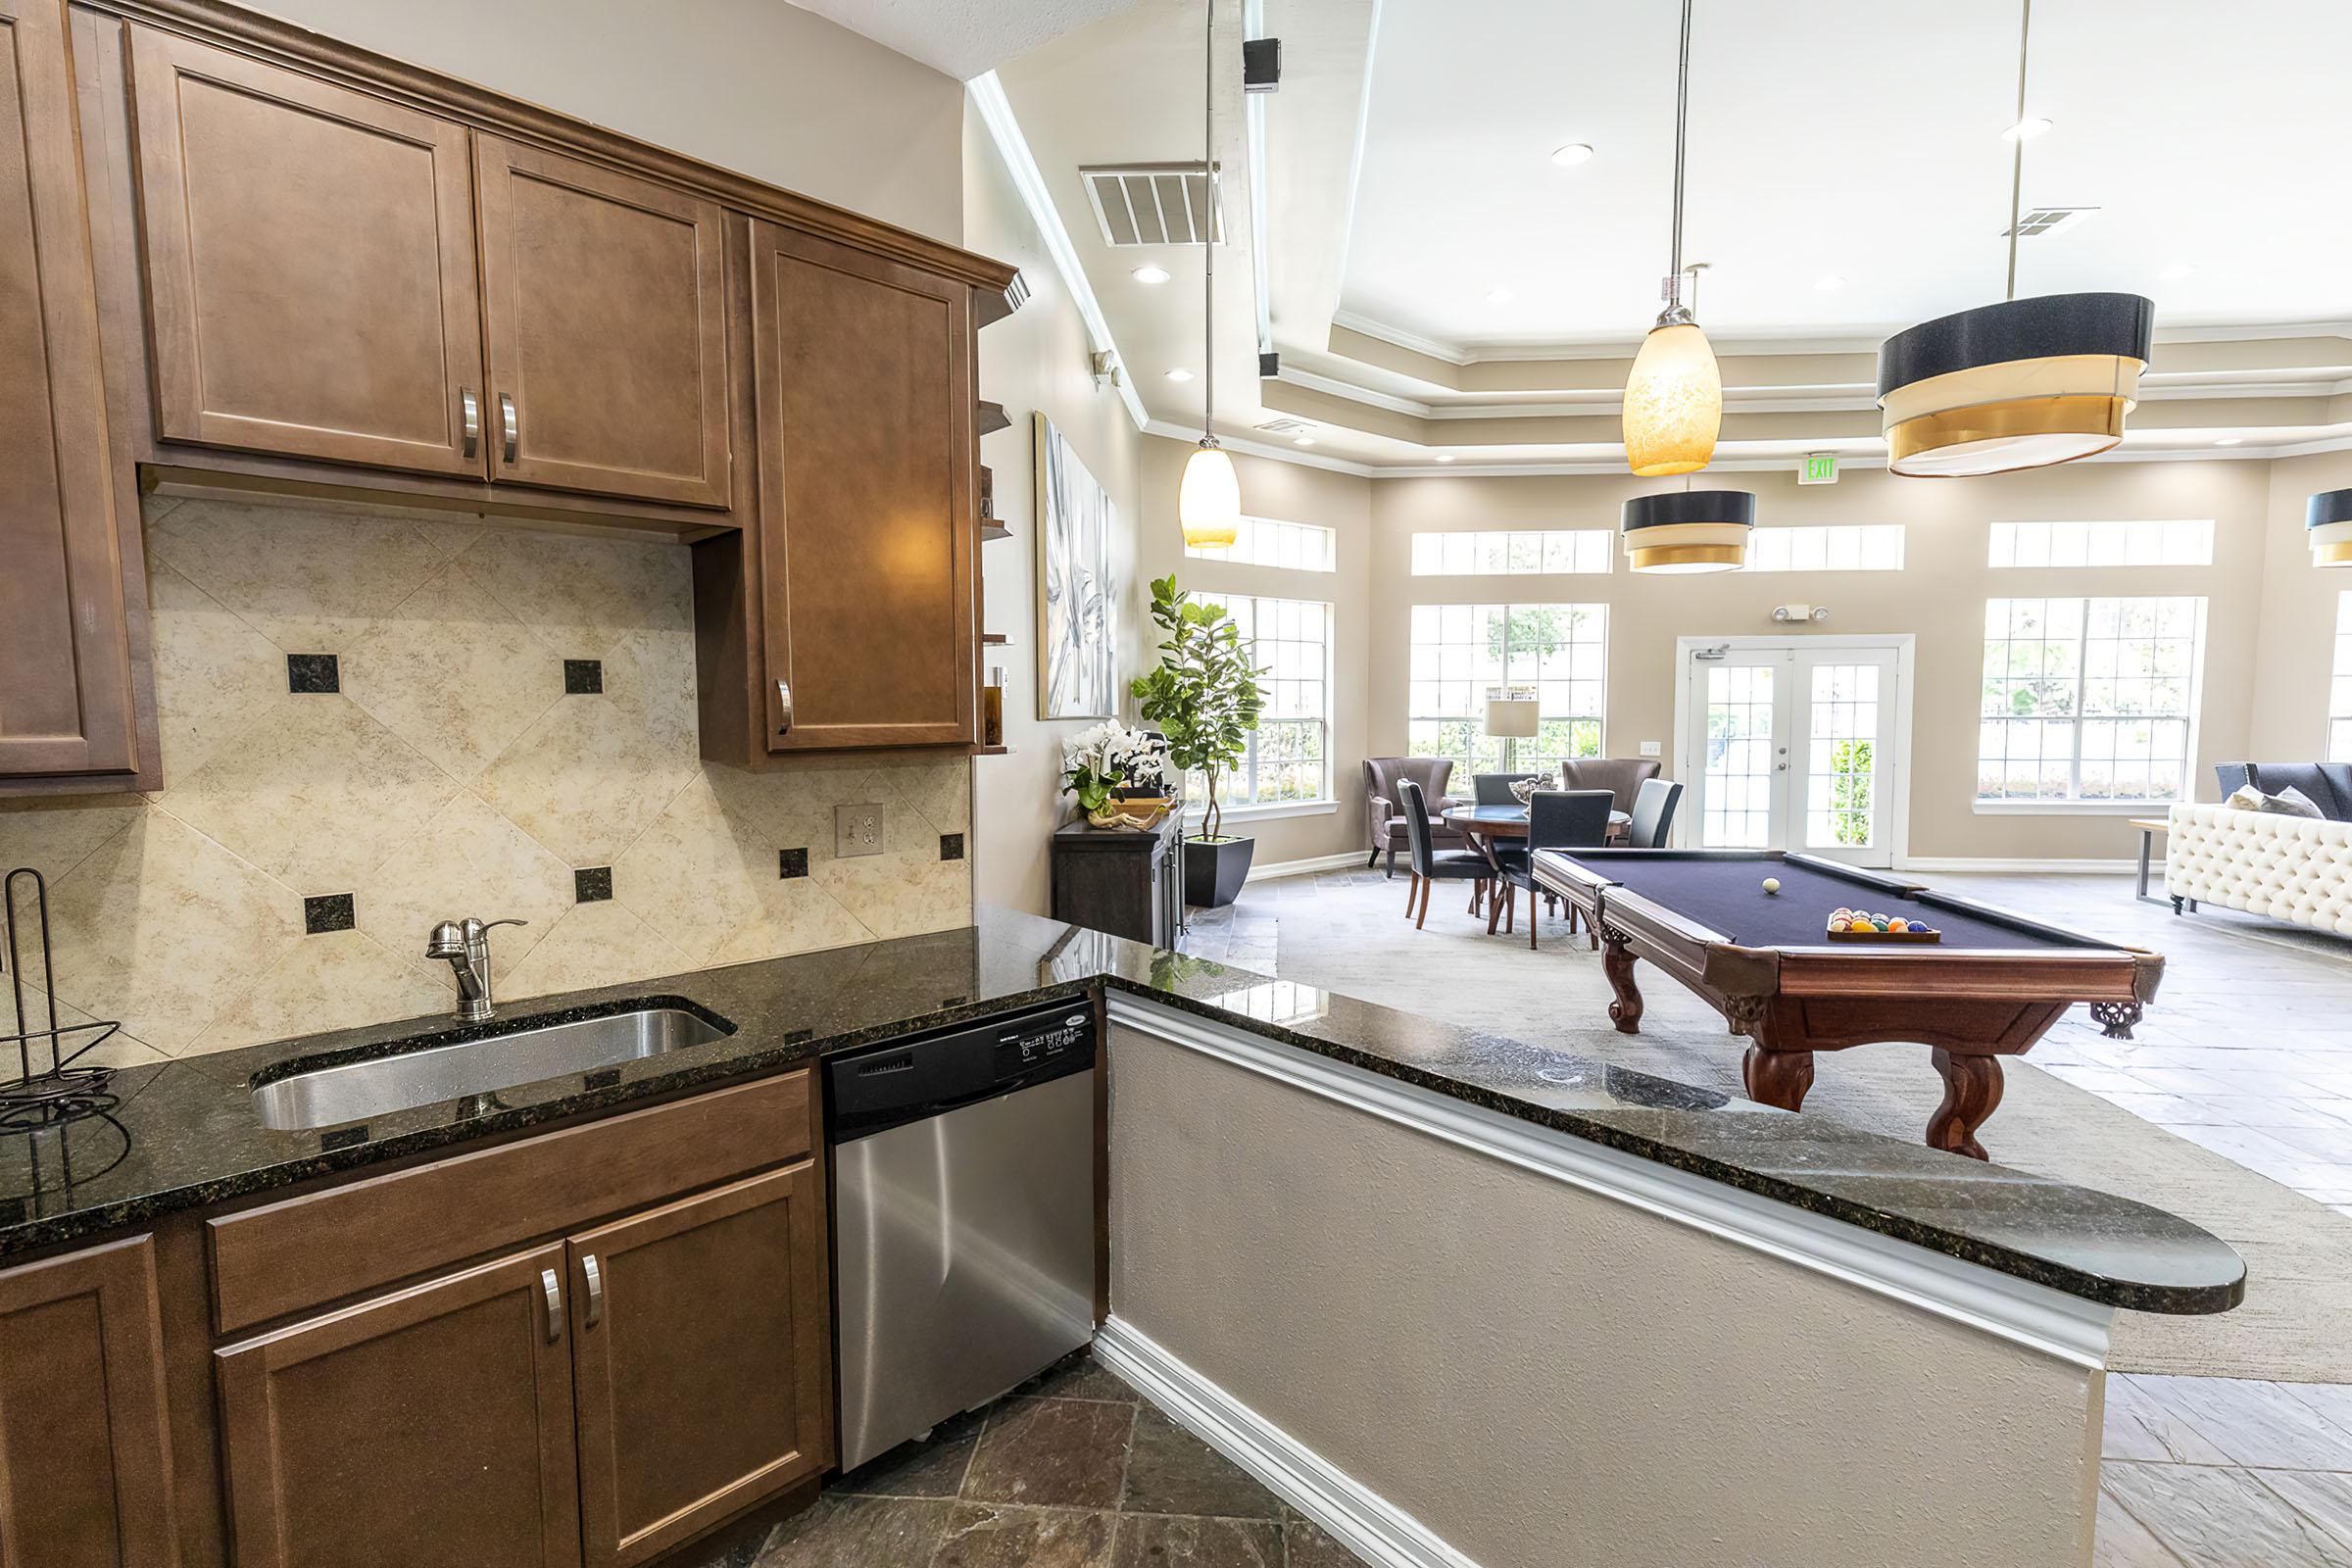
<point>2295,868</point>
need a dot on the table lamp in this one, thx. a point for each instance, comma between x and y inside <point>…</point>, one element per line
<point>1512,716</point>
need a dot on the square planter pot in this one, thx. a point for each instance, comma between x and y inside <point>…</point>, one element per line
<point>1214,872</point>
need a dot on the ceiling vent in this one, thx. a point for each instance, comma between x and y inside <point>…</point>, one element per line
<point>1152,204</point>
<point>2050,220</point>
<point>1286,425</point>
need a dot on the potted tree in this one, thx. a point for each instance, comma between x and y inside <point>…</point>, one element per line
<point>1204,698</point>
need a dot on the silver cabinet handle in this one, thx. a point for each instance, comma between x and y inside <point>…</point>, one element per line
<point>596,1289</point>
<point>509,430</point>
<point>469,414</point>
<point>784,698</point>
<point>554,1288</point>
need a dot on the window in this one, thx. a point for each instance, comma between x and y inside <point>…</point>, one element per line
<point>1521,554</point>
<point>1818,547</point>
<point>1265,542</point>
<point>1461,650</point>
<point>2184,542</point>
<point>2339,691</point>
<point>2089,698</point>
<point>1290,754</point>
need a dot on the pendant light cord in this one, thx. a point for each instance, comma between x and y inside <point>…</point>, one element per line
<point>2017,147</point>
<point>1208,230</point>
<point>1681,121</point>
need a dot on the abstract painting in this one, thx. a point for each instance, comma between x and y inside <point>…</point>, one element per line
<point>1076,612</point>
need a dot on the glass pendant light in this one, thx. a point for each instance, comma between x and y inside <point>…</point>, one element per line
<point>2328,525</point>
<point>1209,503</point>
<point>1688,531</point>
<point>1674,397</point>
<point>2022,384</point>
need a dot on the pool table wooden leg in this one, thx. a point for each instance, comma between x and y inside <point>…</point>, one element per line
<point>1617,962</point>
<point>1778,1078</point>
<point>1972,1093</point>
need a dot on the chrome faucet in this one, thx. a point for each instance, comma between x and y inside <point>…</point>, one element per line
<point>466,943</point>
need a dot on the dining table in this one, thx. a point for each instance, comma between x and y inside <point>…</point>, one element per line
<point>1483,825</point>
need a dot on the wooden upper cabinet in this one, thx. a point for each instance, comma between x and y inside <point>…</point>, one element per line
<point>310,264</point>
<point>604,298</point>
<point>65,689</point>
<point>430,1428</point>
<point>868,460</point>
<point>85,1462</point>
<point>700,1333</point>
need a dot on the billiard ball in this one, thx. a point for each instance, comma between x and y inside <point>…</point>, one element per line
<point>1772,884</point>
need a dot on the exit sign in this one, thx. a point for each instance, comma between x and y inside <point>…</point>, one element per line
<point>1821,467</point>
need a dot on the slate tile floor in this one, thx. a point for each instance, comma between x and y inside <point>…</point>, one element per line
<point>1072,1470</point>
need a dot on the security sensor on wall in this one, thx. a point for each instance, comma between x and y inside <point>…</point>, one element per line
<point>1787,613</point>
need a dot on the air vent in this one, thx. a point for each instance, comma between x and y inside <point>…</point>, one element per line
<point>2049,221</point>
<point>1152,204</point>
<point>1286,425</point>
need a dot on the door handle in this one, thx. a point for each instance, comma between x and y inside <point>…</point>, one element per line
<point>553,1288</point>
<point>595,1276</point>
<point>784,700</point>
<point>508,428</point>
<point>470,416</point>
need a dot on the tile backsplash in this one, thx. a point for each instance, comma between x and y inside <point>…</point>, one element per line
<point>433,716</point>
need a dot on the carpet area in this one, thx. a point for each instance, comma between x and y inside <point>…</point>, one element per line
<point>1345,931</point>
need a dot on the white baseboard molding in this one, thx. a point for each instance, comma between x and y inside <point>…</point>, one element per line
<point>1352,1513</point>
<point>1964,864</point>
<point>1321,862</point>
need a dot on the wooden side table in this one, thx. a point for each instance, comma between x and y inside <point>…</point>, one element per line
<point>2149,827</point>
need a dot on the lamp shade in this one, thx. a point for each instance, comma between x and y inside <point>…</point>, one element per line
<point>1210,502</point>
<point>1673,401</point>
<point>2023,384</point>
<point>2327,524</point>
<point>1690,530</point>
<point>1511,715</point>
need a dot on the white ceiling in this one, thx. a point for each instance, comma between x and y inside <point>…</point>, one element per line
<point>1853,137</point>
<point>962,37</point>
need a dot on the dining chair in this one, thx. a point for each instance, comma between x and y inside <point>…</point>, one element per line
<point>1429,866</point>
<point>1556,820</point>
<point>1494,789</point>
<point>1653,812</point>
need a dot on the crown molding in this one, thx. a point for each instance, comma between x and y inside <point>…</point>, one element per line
<point>1398,337</point>
<point>1191,436</point>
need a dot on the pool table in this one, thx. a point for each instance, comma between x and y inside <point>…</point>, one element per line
<point>1990,988</point>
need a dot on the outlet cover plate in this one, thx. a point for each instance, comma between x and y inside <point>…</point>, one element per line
<point>857,830</point>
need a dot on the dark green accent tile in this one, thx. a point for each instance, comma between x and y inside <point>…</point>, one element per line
<point>311,675</point>
<point>591,884</point>
<point>584,677</point>
<point>327,911</point>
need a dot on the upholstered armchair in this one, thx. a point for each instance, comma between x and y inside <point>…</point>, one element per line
<point>1384,808</point>
<point>1621,776</point>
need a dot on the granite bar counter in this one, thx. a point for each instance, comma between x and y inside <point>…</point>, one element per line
<point>186,1133</point>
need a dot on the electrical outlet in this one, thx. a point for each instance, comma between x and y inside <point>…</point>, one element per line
<point>857,830</point>
<point>1652,749</point>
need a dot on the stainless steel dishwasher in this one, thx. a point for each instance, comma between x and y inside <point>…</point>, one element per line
<point>963,1223</point>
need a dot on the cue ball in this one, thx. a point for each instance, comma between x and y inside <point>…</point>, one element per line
<point>1772,884</point>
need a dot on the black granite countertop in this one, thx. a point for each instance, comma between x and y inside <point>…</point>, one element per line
<point>186,1133</point>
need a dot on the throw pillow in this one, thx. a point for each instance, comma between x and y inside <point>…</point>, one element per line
<point>2292,801</point>
<point>2245,798</point>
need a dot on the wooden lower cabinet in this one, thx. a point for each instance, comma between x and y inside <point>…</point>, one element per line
<point>427,1428</point>
<point>85,1463</point>
<point>701,1344</point>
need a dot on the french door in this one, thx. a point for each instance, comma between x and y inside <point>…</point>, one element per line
<point>1796,744</point>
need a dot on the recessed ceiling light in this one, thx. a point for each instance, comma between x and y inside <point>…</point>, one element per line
<point>1445,456</point>
<point>2229,441</point>
<point>1575,153</point>
<point>1828,284</point>
<point>1150,274</point>
<point>1180,373</point>
<point>1498,295</point>
<point>2176,271</point>
<point>1304,441</point>
<point>2026,129</point>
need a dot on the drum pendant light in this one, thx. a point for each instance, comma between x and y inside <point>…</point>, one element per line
<point>1689,531</point>
<point>2022,384</point>
<point>1208,503</point>
<point>2328,525</point>
<point>1674,397</point>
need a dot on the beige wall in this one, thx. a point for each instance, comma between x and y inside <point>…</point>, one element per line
<point>451,774</point>
<point>1036,361</point>
<point>1939,596</point>
<point>1373,1294</point>
<point>2297,647</point>
<point>1293,493</point>
<point>754,85</point>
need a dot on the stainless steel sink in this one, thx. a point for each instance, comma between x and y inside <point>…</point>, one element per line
<point>354,1090</point>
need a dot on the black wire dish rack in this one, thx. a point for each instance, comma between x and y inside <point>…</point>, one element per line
<point>52,1086</point>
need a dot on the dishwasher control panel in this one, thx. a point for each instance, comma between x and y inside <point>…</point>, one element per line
<point>1034,1042</point>
<point>887,1086</point>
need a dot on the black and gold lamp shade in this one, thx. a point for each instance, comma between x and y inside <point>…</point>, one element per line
<point>2328,525</point>
<point>1690,530</point>
<point>2022,384</point>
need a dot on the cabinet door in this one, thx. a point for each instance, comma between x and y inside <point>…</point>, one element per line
<point>703,1341</point>
<point>604,298</point>
<point>310,264</point>
<point>867,476</point>
<point>66,704</point>
<point>85,1460</point>
<point>427,1428</point>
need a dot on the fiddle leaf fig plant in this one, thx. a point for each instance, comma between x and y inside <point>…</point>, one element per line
<point>1204,695</point>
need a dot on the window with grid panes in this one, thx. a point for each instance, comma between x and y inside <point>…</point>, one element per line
<point>1461,651</point>
<point>2176,542</point>
<point>2089,698</point>
<point>1271,542</point>
<point>1524,552</point>
<point>1289,758</point>
<point>2340,690</point>
<point>1827,547</point>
